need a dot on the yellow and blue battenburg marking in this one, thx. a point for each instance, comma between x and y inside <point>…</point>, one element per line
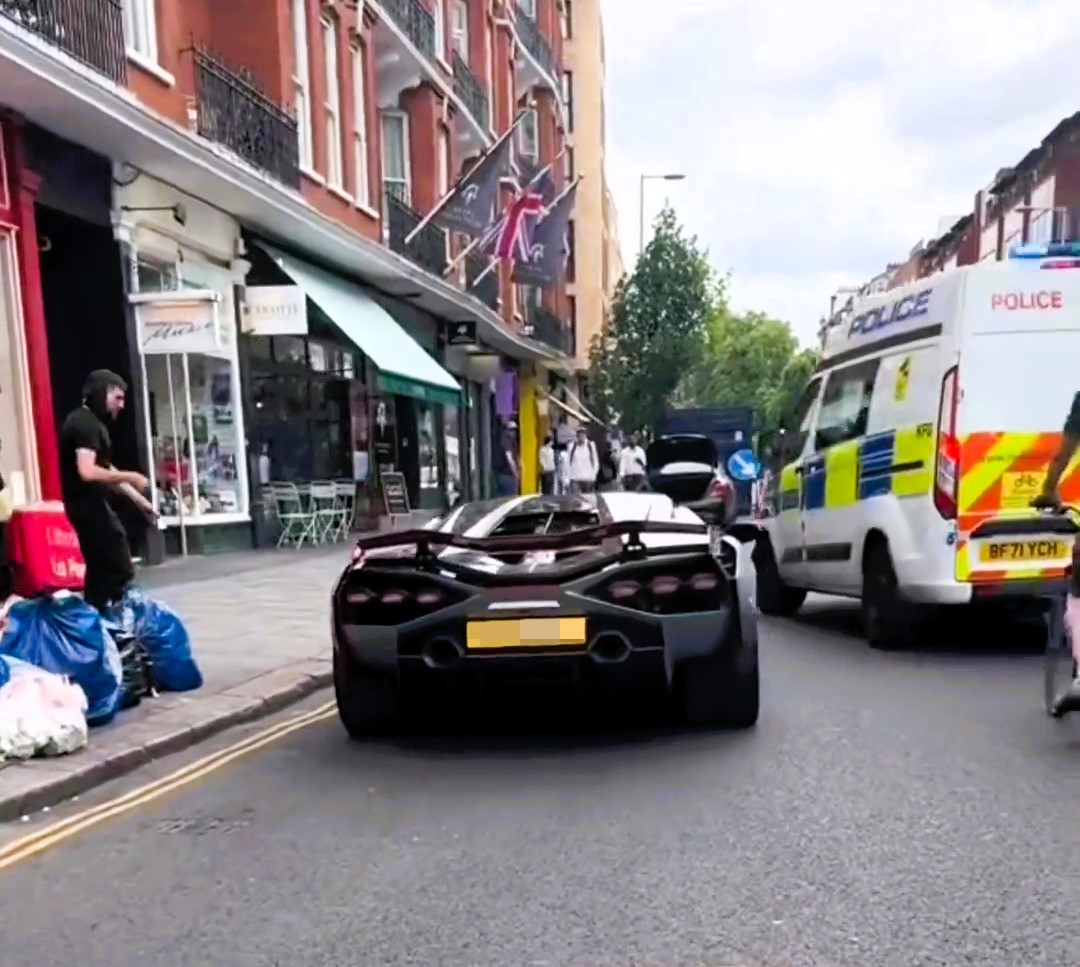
<point>897,462</point>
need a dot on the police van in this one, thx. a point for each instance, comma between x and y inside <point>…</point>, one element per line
<point>927,427</point>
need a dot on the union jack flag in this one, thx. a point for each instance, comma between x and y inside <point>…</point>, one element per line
<point>512,241</point>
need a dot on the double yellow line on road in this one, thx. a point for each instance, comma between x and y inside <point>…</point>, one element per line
<point>49,836</point>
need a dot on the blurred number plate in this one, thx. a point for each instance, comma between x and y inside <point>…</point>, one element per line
<point>716,540</point>
<point>1008,552</point>
<point>526,633</point>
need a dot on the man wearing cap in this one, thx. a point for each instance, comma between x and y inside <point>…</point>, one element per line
<point>88,478</point>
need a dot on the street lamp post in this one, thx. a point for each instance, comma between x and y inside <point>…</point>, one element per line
<point>641,203</point>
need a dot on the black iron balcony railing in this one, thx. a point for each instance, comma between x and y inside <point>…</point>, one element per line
<point>467,86</point>
<point>528,31</point>
<point>550,330</point>
<point>91,31</point>
<point>427,249</point>
<point>236,114</point>
<point>415,21</point>
<point>487,289</point>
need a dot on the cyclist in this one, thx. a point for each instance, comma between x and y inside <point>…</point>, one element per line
<point>1050,499</point>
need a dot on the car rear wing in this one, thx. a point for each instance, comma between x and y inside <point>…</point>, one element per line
<point>424,541</point>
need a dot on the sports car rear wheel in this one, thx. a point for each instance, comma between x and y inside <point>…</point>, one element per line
<point>723,689</point>
<point>367,699</point>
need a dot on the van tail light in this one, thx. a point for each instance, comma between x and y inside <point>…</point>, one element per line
<point>947,460</point>
<point>721,489</point>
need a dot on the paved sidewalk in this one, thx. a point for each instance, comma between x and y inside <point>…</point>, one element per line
<point>260,629</point>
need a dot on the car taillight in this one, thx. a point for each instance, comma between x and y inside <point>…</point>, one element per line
<point>664,592</point>
<point>721,487</point>
<point>947,462</point>
<point>378,597</point>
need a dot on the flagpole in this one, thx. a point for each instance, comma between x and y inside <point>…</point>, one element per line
<point>445,200</point>
<point>547,211</point>
<point>494,230</point>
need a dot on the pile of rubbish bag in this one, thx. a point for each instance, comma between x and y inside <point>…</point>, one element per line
<point>65,666</point>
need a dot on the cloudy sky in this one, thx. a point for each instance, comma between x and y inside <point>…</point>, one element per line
<point>822,140</point>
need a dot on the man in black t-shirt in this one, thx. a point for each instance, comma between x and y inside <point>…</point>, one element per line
<point>88,478</point>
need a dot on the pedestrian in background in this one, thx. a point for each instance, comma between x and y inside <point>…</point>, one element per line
<point>584,464</point>
<point>547,465</point>
<point>632,465</point>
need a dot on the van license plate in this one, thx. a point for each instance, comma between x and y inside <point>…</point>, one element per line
<point>1008,552</point>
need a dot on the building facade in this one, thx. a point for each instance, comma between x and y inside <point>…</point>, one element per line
<point>161,160</point>
<point>597,261</point>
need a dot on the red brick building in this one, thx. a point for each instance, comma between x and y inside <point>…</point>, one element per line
<point>215,149</point>
<point>1035,200</point>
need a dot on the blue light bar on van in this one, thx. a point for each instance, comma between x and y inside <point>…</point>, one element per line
<point>1045,250</point>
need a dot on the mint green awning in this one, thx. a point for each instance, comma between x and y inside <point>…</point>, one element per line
<point>404,367</point>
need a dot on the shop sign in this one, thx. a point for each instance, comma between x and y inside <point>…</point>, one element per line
<point>395,494</point>
<point>275,310</point>
<point>177,322</point>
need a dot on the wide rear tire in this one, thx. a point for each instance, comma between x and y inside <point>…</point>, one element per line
<point>774,597</point>
<point>884,617</point>
<point>722,690</point>
<point>367,700</point>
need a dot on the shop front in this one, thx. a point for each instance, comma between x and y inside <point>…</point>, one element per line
<point>183,277</point>
<point>348,394</point>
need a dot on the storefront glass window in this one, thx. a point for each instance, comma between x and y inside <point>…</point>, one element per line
<point>455,484</point>
<point>310,408</point>
<point>193,410</point>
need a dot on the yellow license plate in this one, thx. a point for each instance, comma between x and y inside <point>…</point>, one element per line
<point>1023,552</point>
<point>526,633</point>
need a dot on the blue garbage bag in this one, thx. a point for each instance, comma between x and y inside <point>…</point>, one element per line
<point>159,630</point>
<point>67,636</point>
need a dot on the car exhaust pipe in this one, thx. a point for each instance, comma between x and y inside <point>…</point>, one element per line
<point>442,653</point>
<point>609,648</point>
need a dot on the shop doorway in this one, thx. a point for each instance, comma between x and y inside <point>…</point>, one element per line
<point>85,320</point>
<point>408,454</point>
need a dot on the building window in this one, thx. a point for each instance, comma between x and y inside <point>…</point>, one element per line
<point>571,321</point>
<point>361,191</point>
<point>395,153</point>
<point>140,28</point>
<point>332,106</point>
<point>571,266</point>
<point>568,19</point>
<point>568,98</point>
<point>438,13</point>
<point>568,164</point>
<point>528,7</point>
<point>459,29</point>
<point>302,82</point>
<point>491,75</point>
<point>529,136</point>
<point>443,161</point>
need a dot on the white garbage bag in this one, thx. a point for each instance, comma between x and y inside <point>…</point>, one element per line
<point>40,714</point>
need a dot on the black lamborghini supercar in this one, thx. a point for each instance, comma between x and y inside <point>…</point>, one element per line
<point>612,592</point>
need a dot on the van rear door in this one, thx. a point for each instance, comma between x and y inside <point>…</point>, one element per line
<point>1019,370</point>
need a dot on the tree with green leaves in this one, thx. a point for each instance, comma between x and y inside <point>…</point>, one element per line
<point>748,360</point>
<point>656,331</point>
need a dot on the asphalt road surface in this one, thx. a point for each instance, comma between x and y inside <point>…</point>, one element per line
<point>909,809</point>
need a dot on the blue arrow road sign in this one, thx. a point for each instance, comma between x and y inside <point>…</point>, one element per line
<point>743,465</point>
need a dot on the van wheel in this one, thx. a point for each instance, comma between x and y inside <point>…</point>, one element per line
<point>882,609</point>
<point>774,597</point>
